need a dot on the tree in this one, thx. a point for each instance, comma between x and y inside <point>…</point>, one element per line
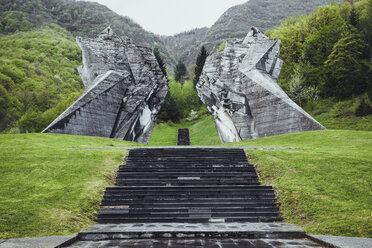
<point>160,61</point>
<point>200,61</point>
<point>348,68</point>
<point>179,71</point>
<point>354,17</point>
<point>169,110</point>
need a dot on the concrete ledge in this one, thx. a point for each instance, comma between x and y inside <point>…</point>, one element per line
<point>341,241</point>
<point>193,243</point>
<point>38,242</point>
<point>187,230</point>
<point>190,147</point>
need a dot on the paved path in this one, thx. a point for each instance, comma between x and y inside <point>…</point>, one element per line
<point>45,242</point>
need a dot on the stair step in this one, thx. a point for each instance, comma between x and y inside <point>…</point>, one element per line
<point>200,187</point>
<point>200,203</point>
<point>194,210</point>
<point>189,219</point>
<point>188,173</point>
<point>169,200</point>
<point>187,230</point>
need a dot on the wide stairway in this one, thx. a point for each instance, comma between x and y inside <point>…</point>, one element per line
<point>189,197</point>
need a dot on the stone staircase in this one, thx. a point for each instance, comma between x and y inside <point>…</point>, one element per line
<point>185,197</point>
<point>183,138</point>
<point>187,185</point>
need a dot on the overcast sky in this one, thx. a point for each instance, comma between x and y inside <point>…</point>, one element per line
<point>171,16</point>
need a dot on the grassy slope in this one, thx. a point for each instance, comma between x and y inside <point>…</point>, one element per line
<point>325,186</point>
<point>47,187</point>
<point>335,114</point>
<point>202,132</point>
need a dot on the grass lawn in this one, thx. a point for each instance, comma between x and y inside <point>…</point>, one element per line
<point>325,186</point>
<point>47,187</point>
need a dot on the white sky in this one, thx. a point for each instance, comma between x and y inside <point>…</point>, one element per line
<point>169,17</point>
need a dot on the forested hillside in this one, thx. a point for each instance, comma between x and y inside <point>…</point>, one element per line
<point>38,77</point>
<point>327,59</point>
<point>185,45</point>
<point>79,17</point>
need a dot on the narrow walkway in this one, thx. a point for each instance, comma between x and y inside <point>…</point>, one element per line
<point>190,197</point>
<point>183,138</point>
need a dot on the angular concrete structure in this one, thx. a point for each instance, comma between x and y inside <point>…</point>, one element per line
<point>239,87</point>
<point>125,89</point>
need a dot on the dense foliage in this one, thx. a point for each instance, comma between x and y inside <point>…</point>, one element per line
<point>180,71</point>
<point>38,79</point>
<point>181,102</point>
<point>327,53</point>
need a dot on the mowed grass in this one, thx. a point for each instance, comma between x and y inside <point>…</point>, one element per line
<point>202,132</point>
<point>325,186</point>
<point>49,187</point>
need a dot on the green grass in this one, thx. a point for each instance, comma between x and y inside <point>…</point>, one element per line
<point>333,121</point>
<point>202,132</point>
<point>49,188</point>
<point>334,114</point>
<point>325,186</point>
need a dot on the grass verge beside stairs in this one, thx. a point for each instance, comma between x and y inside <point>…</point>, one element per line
<point>325,186</point>
<point>49,188</point>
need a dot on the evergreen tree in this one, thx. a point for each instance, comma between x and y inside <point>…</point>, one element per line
<point>348,68</point>
<point>200,61</point>
<point>354,17</point>
<point>180,71</point>
<point>169,110</point>
<point>160,61</point>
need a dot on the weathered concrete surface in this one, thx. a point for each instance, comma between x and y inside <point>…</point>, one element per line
<point>125,90</point>
<point>239,87</point>
<point>205,243</point>
<point>192,230</point>
<point>36,242</point>
<point>344,242</point>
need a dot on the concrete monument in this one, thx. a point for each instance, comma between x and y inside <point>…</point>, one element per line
<point>239,87</point>
<point>125,89</point>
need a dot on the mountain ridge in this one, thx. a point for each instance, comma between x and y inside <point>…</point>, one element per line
<point>89,18</point>
<point>236,21</point>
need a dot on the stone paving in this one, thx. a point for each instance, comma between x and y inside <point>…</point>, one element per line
<point>192,230</point>
<point>183,138</point>
<point>37,242</point>
<point>344,242</point>
<point>205,243</point>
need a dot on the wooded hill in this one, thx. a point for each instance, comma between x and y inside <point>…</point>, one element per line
<point>328,55</point>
